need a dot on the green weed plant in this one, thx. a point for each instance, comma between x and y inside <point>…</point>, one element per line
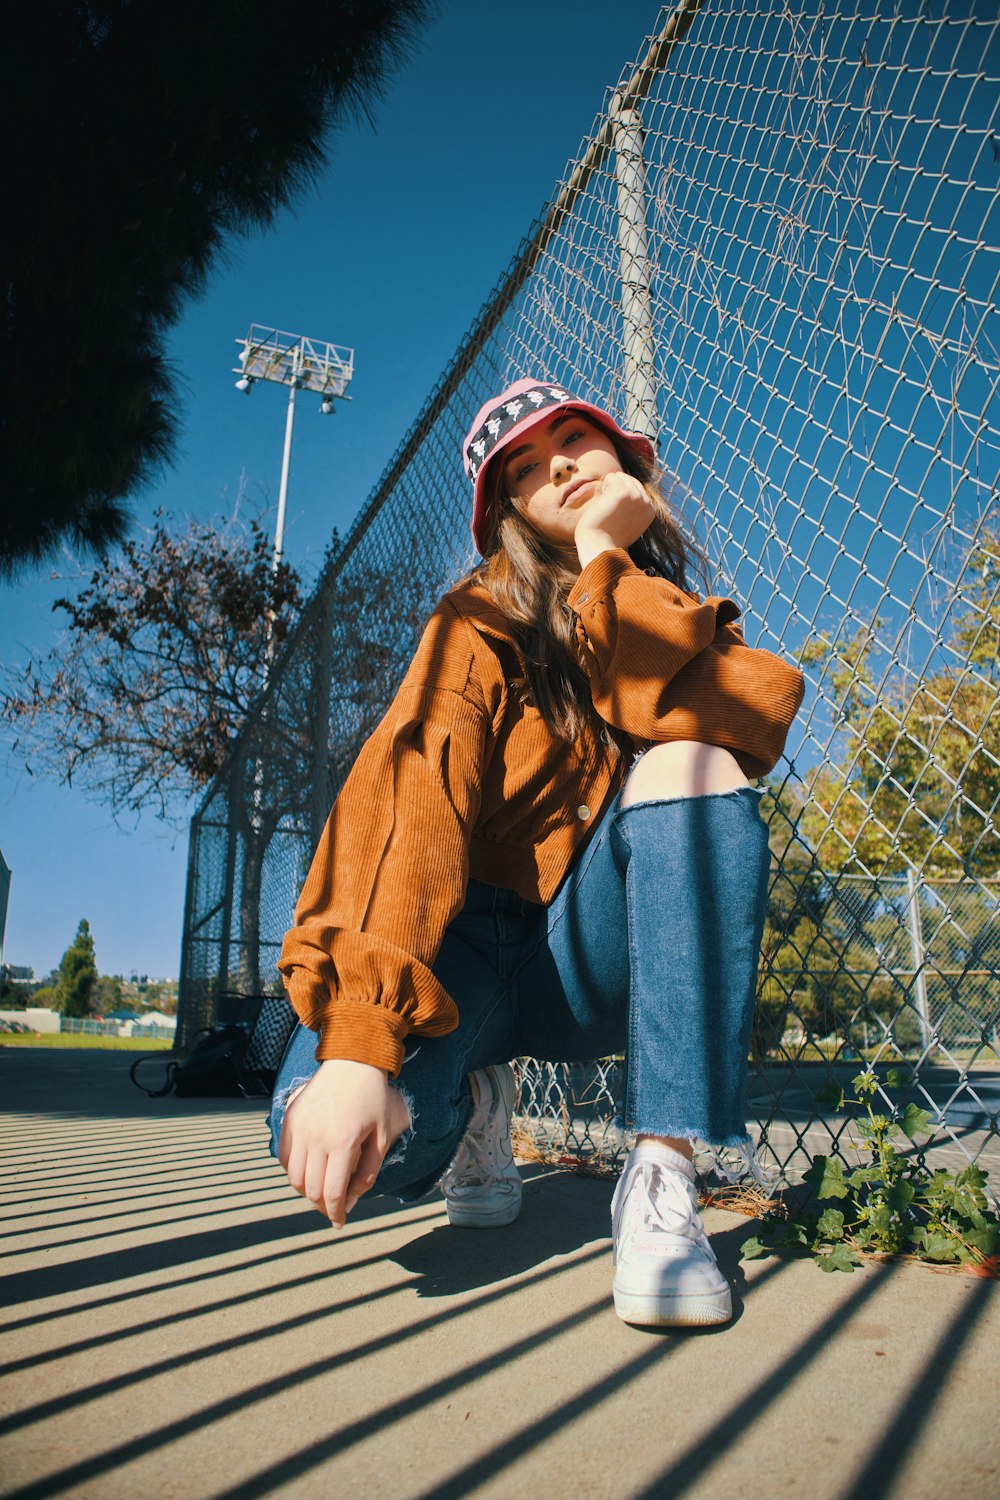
<point>892,1206</point>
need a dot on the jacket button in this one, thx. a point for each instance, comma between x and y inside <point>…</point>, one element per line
<point>583,812</point>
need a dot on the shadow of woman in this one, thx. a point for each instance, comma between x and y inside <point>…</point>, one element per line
<point>561,1214</point>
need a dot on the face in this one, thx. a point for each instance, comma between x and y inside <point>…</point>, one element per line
<point>555,469</point>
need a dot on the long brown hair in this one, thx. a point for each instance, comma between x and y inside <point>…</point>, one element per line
<point>529,579</point>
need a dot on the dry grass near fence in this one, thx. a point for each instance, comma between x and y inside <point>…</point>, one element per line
<point>746,1198</point>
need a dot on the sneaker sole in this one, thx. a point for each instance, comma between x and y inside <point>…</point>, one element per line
<point>652,1311</point>
<point>471,1216</point>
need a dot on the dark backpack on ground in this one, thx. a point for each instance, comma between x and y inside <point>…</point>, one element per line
<point>215,1068</point>
<point>229,1062</point>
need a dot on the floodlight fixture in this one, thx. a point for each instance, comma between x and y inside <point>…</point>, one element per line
<point>303,365</point>
<point>293,360</point>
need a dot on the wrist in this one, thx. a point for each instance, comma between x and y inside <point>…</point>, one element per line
<point>348,1067</point>
<point>591,543</point>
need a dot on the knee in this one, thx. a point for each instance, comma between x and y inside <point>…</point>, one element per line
<point>683,768</point>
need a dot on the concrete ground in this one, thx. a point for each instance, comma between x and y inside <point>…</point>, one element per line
<point>178,1323</point>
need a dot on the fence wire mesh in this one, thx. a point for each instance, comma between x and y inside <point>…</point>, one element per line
<point>777,251</point>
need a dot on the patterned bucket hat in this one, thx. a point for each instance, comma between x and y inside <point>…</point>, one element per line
<point>521,407</point>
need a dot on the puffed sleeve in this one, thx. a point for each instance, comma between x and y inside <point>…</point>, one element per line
<point>391,868</point>
<point>665,665</point>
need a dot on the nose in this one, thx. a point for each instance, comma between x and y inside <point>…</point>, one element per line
<point>561,464</point>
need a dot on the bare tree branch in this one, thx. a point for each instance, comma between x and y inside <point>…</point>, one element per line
<point>164,652</point>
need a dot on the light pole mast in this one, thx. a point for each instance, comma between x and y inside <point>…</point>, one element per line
<point>301,364</point>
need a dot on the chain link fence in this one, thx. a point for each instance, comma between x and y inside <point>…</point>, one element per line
<point>777,252</point>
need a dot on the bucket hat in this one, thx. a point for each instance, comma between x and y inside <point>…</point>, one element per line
<point>513,413</point>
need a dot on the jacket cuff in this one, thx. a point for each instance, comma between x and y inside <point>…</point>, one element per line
<point>355,1032</point>
<point>600,576</point>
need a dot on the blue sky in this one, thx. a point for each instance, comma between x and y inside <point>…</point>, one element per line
<point>393,252</point>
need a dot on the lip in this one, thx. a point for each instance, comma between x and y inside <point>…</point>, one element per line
<point>574,488</point>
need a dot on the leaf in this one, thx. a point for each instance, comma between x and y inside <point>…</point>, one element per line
<point>915,1121</point>
<point>832,1094</point>
<point>840,1258</point>
<point>753,1247</point>
<point>830,1225</point>
<point>865,1083</point>
<point>899,1196</point>
<point>826,1177</point>
<point>939,1245</point>
<point>794,1234</point>
<point>984,1239</point>
<point>898,1078</point>
<point>879,1215</point>
<point>969,1203</point>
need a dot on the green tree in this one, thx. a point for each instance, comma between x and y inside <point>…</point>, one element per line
<point>816,975</point>
<point>149,137</point>
<point>107,994</point>
<point>916,778</point>
<point>77,974</point>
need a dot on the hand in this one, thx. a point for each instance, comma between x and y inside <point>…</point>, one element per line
<point>336,1133</point>
<point>616,516</point>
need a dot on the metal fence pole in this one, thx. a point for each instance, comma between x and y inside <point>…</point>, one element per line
<point>320,750</point>
<point>225,936</point>
<point>638,346</point>
<point>917,945</point>
<point>185,998</point>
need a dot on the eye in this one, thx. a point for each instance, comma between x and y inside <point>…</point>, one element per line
<point>523,470</point>
<point>577,432</point>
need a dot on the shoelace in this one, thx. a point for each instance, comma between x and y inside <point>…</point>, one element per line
<point>663,1204</point>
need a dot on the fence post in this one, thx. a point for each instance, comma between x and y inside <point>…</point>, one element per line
<point>234,789</point>
<point>633,257</point>
<point>319,790</point>
<point>917,945</point>
<point>184,983</point>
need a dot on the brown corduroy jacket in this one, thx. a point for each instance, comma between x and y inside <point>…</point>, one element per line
<point>462,778</point>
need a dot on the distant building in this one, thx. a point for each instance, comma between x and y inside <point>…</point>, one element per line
<point>21,973</point>
<point>153,1018</point>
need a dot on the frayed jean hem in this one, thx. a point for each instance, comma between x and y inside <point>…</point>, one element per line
<point>734,1140</point>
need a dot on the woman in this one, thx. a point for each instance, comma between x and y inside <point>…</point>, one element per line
<point>549,847</point>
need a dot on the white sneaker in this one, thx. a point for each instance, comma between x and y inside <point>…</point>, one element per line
<point>665,1270</point>
<point>482,1187</point>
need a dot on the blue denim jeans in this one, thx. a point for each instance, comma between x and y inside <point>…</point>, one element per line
<point>650,947</point>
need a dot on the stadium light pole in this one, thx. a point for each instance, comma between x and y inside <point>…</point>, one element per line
<point>302,364</point>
